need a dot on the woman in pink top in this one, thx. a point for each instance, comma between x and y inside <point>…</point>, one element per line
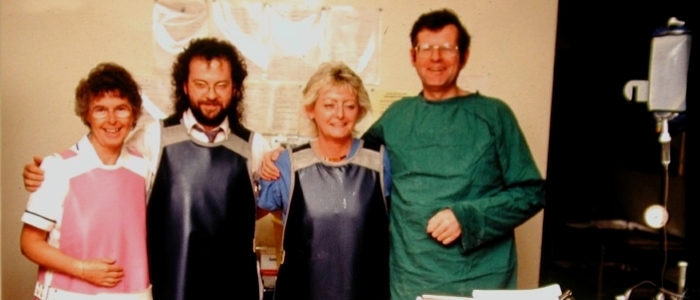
<point>85,226</point>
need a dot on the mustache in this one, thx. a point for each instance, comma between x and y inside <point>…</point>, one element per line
<point>210,102</point>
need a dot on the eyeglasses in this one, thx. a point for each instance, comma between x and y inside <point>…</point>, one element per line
<point>446,50</point>
<point>218,88</point>
<point>101,112</point>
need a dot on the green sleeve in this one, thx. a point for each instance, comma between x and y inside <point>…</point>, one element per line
<point>520,197</point>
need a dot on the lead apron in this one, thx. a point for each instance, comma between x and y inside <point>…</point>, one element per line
<point>201,219</point>
<point>336,234</point>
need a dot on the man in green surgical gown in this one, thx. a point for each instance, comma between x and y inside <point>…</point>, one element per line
<point>463,176</point>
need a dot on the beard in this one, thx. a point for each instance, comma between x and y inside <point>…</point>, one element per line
<point>209,121</point>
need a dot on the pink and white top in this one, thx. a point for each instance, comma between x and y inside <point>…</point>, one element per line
<point>91,211</point>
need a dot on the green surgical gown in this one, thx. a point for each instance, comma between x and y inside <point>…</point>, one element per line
<point>468,154</point>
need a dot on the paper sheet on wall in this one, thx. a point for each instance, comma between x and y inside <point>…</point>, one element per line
<point>282,44</point>
<point>354,38</point>
<point>174,25</point>
<point>296,39</point>
<point>273,108</point>
<point>155,93</point>
<point>246,25</point>
<point>382,99</point>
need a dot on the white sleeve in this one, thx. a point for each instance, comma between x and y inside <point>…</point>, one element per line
<point>45,206</point>
<point>146,139</point>
<point>259,145</point>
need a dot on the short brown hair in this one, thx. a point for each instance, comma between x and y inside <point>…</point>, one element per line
<point>107,79</point>
<point>436,20</point>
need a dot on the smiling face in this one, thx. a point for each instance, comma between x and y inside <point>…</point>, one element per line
<point>210,89</point>
<point>335,112</point>
<point>111,118</point>
<point>437,69</point>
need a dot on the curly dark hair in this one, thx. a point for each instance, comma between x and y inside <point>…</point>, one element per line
<point>210,48</point>
<point>107,78</point>
<point>436,20</point>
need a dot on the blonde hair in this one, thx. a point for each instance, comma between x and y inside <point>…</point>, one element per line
<point>332,74</point>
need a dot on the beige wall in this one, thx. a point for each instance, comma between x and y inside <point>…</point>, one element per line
<point>46,46</point>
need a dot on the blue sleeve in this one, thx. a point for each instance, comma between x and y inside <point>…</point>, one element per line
<point>274,195</point>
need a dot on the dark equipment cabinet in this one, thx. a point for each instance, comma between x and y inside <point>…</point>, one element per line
<point>604,164</point>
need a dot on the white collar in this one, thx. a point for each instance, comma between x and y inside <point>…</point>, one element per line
<point>189,122</point>
<point>85,147</point>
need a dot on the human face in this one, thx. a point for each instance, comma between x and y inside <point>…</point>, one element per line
<point>335,113</point>
<point>210,88</point>
<point>111,119</point>
<point>437,69</point>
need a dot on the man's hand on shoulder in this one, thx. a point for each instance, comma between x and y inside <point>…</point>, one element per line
<point>269,171</point>
<point>444,227</point>
<point>33,175</point>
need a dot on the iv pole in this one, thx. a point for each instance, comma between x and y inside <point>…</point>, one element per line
<point>665,93</point>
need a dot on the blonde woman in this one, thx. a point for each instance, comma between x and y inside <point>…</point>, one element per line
<point>332,193</point>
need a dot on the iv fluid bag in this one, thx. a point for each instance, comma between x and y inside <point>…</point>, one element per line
<point>668,69</point>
